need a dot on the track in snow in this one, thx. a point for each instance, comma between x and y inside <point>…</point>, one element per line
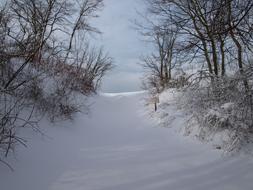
<point>118,148</point>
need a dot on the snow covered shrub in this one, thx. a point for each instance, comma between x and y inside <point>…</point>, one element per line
<point>58,105</point>
<point>45,62</point>
<point>222,104</point>
<point>179,80</point>
<point>15,114</point>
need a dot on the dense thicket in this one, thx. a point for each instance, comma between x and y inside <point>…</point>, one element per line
<point>215,38</point>
<point>45,62</point>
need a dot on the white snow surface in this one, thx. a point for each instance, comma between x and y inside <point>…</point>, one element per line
<point>118,147</point>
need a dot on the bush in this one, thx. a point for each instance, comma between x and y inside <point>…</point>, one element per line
<point>42,74</point>
<point>222,104</point>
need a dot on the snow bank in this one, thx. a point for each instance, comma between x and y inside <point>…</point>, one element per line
<point>121,94</point>
<point>174,113</point>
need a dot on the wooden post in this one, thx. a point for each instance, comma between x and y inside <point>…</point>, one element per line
<point>155,101</point>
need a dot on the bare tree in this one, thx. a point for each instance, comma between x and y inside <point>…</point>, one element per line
<point>218,35</point>
<point>45,61</point>
<point>159,64</point>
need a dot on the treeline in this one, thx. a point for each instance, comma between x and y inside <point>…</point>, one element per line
<point>216,39</point>
<point>46,62</point>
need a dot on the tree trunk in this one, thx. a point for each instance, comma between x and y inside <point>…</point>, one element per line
<point>223,67</point>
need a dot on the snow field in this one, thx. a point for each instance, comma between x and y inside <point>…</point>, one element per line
<point>117,146</point>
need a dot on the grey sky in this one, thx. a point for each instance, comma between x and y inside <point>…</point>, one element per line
<point>123,44</point>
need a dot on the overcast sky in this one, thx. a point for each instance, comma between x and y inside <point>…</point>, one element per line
<point>123,44</point>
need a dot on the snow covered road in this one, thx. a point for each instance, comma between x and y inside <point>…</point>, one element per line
<point>117,147</point>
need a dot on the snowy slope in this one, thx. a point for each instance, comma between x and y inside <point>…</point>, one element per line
<point>117,147</point>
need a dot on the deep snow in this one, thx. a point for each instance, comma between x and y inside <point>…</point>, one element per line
<point>118,147</point>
